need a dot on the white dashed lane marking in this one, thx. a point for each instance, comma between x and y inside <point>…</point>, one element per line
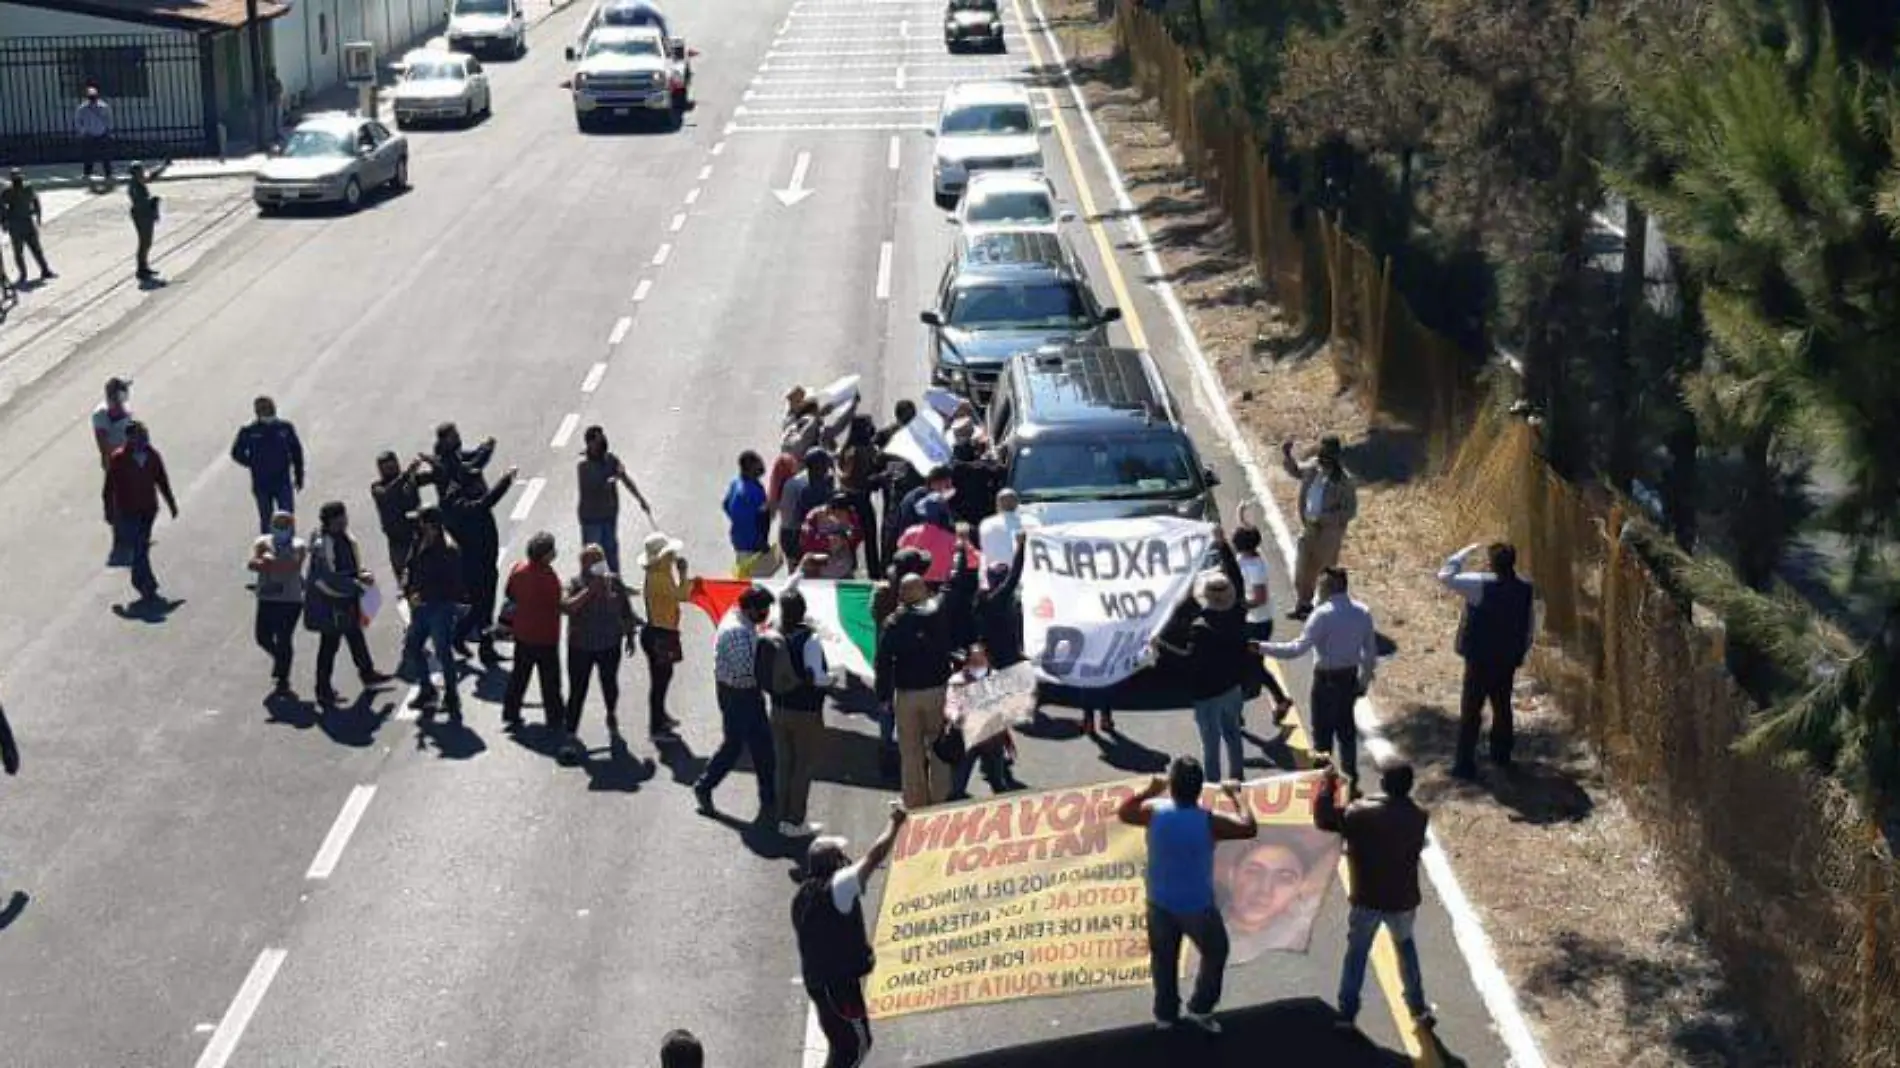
<point>594,375</point>
<point>230,1030</point>
<point>331,851</point>
<point>640,291</point>
<point>884,271</point>
<point>621,327</point>
<point>526,504</point>
<point>659,256</point>
<point>692,195</point>
<point>569,423</point>
<point>678,223</point>
<point>893,152</point>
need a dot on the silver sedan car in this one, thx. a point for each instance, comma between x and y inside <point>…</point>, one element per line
<point>333,158</point>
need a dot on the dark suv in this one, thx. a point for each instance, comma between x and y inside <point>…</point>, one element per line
<point>1005,292</point>
<point>1090,432</point>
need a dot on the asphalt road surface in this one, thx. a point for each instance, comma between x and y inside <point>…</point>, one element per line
<point>199,877</point>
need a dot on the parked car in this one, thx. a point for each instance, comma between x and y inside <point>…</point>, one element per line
<point>488,27</point>
<point>436,85</point>
<point>973,24</point>
<point>1010,200</point>
<point>332,158</point>
<point>983,126</point>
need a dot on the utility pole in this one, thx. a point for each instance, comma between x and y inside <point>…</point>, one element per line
<point>260,106</point>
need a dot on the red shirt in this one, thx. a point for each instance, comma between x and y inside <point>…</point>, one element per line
<point>131,487</point>
<point>536,591</point>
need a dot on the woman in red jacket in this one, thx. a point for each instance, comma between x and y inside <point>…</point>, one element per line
<point>135,482</point>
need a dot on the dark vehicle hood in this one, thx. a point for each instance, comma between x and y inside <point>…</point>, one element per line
<point>990,348</point>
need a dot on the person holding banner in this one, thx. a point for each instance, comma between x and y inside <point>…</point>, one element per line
<point>834,948</point>
<point>1181,838</point>
<point>1218,657</point>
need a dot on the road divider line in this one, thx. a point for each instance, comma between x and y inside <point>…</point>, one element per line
<point>720,146</point>
<point>884,271</point>
<point>678,223</point>
<point>640,291</point>
<point>660,255</point>
<point>594,375</point>
<point>565,431</point>
<point>528,496</point>
<point>230,1031</point>
<point>621,326</point>
<point>900,78</point>
<point>705,172</point>
<point>331,851</point>
<point>692,195</point>
<point>891,158</point>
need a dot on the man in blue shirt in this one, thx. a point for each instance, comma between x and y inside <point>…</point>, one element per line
<point>1181,837</point>
<point>269,447</point>
<point>749,518</point>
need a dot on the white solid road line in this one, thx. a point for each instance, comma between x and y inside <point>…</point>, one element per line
<point>826,127</point>
<point>640,291</point>
<point>621,326</point>
<point>884,271</point>
<point>824,94</point>
<point>678,223</point>
<point>892,109</point>
<point>594,375</point>
<point>660,255</point>
<point>893,154</point>
<point>526,504</point>
<point>331,851</point>
<point>224,1041</point>
<point>569,423</point>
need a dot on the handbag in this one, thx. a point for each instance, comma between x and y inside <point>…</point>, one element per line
<point>948,745</point>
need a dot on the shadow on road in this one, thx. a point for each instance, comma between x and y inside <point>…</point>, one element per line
<point>15,905</point>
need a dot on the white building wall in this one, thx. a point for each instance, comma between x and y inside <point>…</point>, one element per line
<point>171,96</point>
<point>308,41</point>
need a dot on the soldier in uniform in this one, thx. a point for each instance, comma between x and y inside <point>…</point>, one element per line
<point>20,216</point>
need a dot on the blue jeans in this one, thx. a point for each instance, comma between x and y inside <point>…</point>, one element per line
<point>133,536</point>
<point>272,497</point>
<point>1218,719</point>
<point>606,535</point>
<point>743,727</point>
<point>434,623</point>
<point>1361,928</point>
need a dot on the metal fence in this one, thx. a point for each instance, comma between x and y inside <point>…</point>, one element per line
<point>159,86</point>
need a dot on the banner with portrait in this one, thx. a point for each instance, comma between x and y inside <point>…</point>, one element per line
<point>1095,593</point>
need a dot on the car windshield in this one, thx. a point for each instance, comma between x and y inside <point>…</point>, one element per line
<point>623,46</point>
<point>973,5</point>
<point>1104,469</point>
<point>1015,206</point>
<point>1056,305</point>
<point>306,144</point>
<point>481,7</point>
<point>433,70</point>
<point>996,119</point>
<point>632,16</point>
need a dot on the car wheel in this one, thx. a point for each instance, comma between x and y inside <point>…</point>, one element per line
<point>583,123</point>
<point>680,104</point>
<point>353,195</point>
<point>267,209</point>
<point>488,104</point>
<point>521,46</point>
<point>468,113</point>
<point>402,123</point>
<point>946,201</point>
<point>400,180</point>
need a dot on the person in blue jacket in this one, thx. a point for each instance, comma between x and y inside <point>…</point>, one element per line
<point>270,448</point>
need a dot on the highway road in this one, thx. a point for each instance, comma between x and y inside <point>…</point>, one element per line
<point>212,879</point>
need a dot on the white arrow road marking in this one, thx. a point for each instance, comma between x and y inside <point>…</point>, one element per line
<point>795,192</point>
<point>224,1041</point>
<point>526,504</point>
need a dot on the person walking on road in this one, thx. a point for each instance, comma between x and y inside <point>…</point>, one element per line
<point>913,673</point>
<point>1384,838</point>
<point>834,946</point>
<point>93,123</point>
<point>269,448</point>
<point>278,558</point>
<point>791,667</point>
<point>144,219</point>
<point>681,1049</point>
<point>1345,645</point>
<point>664,587</point>
<point>601,474</point>
<point>749,520</point>
<point>535,592</point>
<point>333,606</point>
<point>742,718</point>
<point>600,622</point>
<point>432,576</point>
<point>468,508</point>
<point>135,482</point>
<point>1181,838</point>
<point>1257,593</point>
<point>1328,503</point>
<point>20,217</point>
<point>832,530</point>
<point>860,469</point>
<point>397,492</point>
<point>1494,637</point>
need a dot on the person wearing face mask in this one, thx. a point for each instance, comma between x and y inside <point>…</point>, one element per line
<point>397,492</point>
<point>334,607</point>
<point>135,482</point>
<point>600,622</point>
<point>432,583</point>
<point>269,448</point>
<point>468,510</point>
<point>277,558</point>
<point>1328,504</point>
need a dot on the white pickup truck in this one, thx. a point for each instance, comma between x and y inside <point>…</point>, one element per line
<point>626,71</point>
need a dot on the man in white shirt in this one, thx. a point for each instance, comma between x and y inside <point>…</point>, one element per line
<point>93,123</point>
<point>1345,646</point>
<point>1258,594</point>
<point>834,948</point>
<point>996,535</point>
<point>1328,502</point>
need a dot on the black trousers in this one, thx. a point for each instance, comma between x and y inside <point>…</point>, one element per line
<point>844,1018</point>
<point>25,240</point>
<point>481,582</point>
<point>1484,683</point>
<point>327,644</point>
<point>276,634</point>
<point>543,660</point>
<point>144,229</point>
<point>1259,675</point>
<point>399,547</point>
<point>582,663</point>
<point>659,673</point>
<point>1208,932</point>
<point>867,522</point>
<point>1334,694</point>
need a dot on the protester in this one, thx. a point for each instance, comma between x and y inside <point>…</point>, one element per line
<point>1217,661</point>
<point>792,670</point>
<point>20,217</point>
<point>600,621</point>
<point>939,535</point>
<point>995,611</point>
<point>664,589</point>
<point>135,482</point>
<point>1494,637</point>
<point>432,577</point>
<point>937,483</point>
<point>9,749</point>
<point>884,605</point>
<point>111,418</point>
<point>999,535</point>
<point>535,592</point>
<point>681,1049</point>
<point>1344,641</point>
<point>453,464</point>
<point>899,478</point>
<point>1181,838</point>
<point>743,726</point>
<point>468,511</point>
<point>860,472</point>
<point>749,520</point>
<point>834,948</point>
<point>803,492</point>
<point>1384,839</point>
<point>333,607</point>
<point>268,447</point>
<point>833,530</point>
<point>93,123</point>
<point>144,218</point>
<point>993,754</point>
<point>600,475</point>
<point>974,474</point>
<point>1257,592</point>
<point>1328,502</point>
<point>278,560</point>
<point>397,492</point>
<point>913,668</point>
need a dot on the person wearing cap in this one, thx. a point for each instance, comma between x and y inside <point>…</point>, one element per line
<point>600,475</point>
<point>20,217</point>
<point>535,592</point>
<point>277,558</point>
<point>664,589</point>
<point>432,581</point>
<point>268,447</point>
<point>144,217</point>
<point>912,673</point>
<point>743,726</point>
<point>334,606</point>
<point>1328,502</point>
<point>1216,655</point>
<point>135,483</point>
<point>811,488</point>
<point>834,945</point>
<point>1344,641</point>
<point>832,530</point>
<point>397,492</point>
<point>937,482</point>
<point>940,536</point>
<point>93,123</point>
<point>468,510</point>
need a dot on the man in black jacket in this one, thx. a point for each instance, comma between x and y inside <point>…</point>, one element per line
<point>1494,637</point>
<point>433,583</point>
<point>913,672</point>
<point>1215,655</point>
<point>453,464</point>
<point>397,492</point>
<point>268,447</point>
<point>834,948</point>
<point>468,512</point>
<point>1384,838</point>
<point>992,616</point>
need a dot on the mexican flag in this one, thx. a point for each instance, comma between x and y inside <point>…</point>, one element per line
<point>840,611</point>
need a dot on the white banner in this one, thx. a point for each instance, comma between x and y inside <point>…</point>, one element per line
<point>1095,593</point>
<point>986,707</point>
<point>921,443</point>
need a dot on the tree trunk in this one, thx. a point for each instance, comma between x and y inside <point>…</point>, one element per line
<point>1759,532</point>
<point>1625,433</point>
<point>1200,30</point>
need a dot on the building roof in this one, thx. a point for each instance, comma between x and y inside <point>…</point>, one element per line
<point>200,16</point>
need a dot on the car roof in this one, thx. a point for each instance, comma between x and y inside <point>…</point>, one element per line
<point>986,93</point>
<point>1007,249</point>
<point>415,55</point>
<point>627,33</point>
<point>332,122</point>
<point>983,181</point>
<point>1071,385</point>
<point>644,7</point>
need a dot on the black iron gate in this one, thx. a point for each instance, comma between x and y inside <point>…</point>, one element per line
<point>160,87</point>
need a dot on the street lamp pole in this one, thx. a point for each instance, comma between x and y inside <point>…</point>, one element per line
<point>260,107</point>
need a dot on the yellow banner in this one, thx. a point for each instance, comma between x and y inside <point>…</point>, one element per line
<point>1039,894</point>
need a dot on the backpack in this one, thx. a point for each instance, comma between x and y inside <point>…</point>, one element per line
<point>779,670</point>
